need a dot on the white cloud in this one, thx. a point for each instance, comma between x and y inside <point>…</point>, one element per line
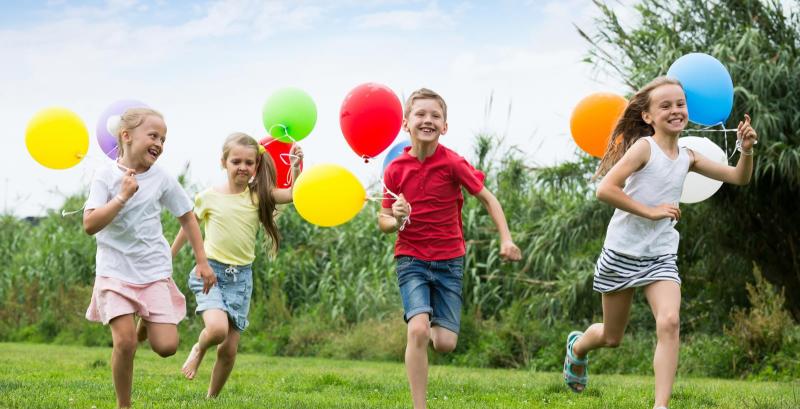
<point>432,16</point>
<point>207,84</point>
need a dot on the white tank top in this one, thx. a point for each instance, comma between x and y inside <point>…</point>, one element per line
<point>659,181</point>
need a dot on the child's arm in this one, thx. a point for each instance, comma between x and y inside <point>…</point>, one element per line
<point>610,188</point>
<point>97,219</point>
<point>738,175</point>
<point>177,244</point>
<point>191,229</point>
<point>389,220</point>
<point>283,196</point>
<point>508,250</point>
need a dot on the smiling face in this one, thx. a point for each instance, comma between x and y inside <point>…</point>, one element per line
<point>240,164</point>
<point>667,112</point>
<point>144,143</point>
<point>425,121</point>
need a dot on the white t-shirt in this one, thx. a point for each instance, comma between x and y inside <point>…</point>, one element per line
<point>659,181</point>
<point>132,247</point>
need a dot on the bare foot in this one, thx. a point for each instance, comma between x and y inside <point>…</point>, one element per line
<point>141,331</point>
<point>189,368</point>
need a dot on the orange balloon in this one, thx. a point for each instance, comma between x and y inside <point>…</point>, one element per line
<point>593,120</point>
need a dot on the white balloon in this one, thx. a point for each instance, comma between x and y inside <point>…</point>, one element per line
<point>697,187</point>
<point>112,124</point>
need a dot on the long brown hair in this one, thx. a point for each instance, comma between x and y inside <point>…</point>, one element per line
<point>631,126</point>
<point>261,185</point>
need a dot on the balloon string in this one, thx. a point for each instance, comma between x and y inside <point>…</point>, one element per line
<point>406,219</point>
<point>65,213</point>
<point>285,133</point>
<point>737,147</point>
<point>289,177</point>
<point>709,130</point>
<point>285,161</point>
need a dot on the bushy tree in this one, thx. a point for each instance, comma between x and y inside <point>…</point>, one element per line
<point>759,43</point>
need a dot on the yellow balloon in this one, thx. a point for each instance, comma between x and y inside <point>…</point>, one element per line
<point>57,138</point>
<point>328,195</point>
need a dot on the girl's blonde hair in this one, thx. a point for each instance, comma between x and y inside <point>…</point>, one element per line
<point>631,126</point>
<point>261,185</point>
<point>129,121</point>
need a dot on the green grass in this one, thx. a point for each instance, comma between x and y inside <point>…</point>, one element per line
<point>50,376</point>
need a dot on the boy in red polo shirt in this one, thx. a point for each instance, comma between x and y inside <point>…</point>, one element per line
<point>427,177</point>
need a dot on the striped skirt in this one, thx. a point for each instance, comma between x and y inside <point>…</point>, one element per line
<point>616,271</point>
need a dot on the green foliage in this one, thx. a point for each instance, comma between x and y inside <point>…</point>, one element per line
<point>759,43</point>
<point>761,330</point>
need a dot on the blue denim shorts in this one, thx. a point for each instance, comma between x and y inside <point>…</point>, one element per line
<point>433,288</point>
<point>231,293</point>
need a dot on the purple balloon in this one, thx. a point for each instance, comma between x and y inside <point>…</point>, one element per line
<point>107,141</point>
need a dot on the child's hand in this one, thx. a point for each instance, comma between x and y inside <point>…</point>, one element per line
<point>400,208</point>
<point>129,185</point>
<point>664,211</point>
<point>205,272</point>
<point>746,134</point>
<point>509,251</point>
<point>297,159</point>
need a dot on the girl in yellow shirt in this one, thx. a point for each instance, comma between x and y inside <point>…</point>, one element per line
<point>231,213</point>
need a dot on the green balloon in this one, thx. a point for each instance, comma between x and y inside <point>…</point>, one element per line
<point>289,115</point>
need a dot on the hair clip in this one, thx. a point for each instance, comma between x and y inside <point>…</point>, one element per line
<point>261,149</point>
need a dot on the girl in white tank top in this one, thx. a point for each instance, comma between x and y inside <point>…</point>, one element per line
<point>643,179</point>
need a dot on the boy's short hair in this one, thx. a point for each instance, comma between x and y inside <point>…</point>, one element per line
<point>424,93</point>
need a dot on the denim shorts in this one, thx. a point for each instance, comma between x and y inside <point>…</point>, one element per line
<point>433,288</point>
<point>231,293</point>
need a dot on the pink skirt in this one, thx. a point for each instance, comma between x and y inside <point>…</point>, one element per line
<point>158,302</point>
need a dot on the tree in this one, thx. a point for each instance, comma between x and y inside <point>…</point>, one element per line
<point>759,43</point>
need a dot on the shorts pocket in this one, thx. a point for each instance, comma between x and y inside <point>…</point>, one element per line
<point>403,262</point>
<point>456,267</point>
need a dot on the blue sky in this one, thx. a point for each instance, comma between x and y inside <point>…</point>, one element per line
<point>210,66</point>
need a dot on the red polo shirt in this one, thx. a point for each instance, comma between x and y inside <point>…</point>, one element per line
<point>433,189</point>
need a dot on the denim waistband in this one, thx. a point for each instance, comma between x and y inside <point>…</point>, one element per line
<point>231,270</point>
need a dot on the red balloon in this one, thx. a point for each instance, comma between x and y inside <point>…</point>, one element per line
<point>370,119</point>
<point>279,151</point>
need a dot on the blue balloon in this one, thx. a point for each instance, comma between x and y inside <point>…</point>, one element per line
<point>396,150</point>
<point>708,87</point>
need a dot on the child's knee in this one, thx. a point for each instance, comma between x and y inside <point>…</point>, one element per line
<point>612,341</point>
<point>227,355</point>
<point>444,345</point>
<point>216,334</point>
<point>668,324</point>
<point>166,350</point>
<point>419,332</point>
<point>125,345</point>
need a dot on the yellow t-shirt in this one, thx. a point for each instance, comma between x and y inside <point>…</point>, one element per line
<point>231,223</point>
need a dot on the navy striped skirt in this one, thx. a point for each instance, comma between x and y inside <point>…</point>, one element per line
<point>616,271</point>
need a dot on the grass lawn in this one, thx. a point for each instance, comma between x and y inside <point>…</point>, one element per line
<point>51,376</point>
